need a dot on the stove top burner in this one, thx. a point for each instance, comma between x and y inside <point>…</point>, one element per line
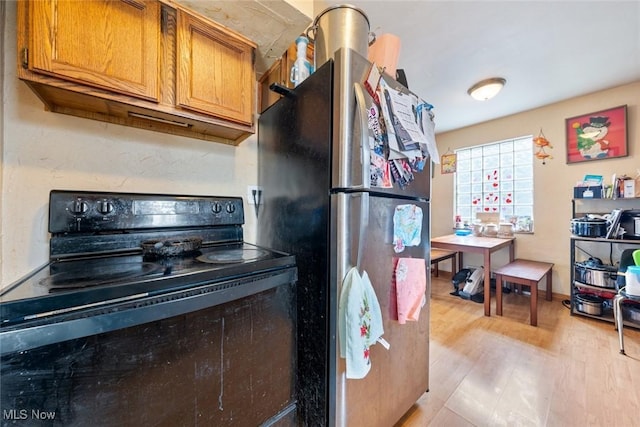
<point>122,270</point>
<point>228,256</point>
<point>117,251</point>
<point>159,248</point>
<point>83,276</point>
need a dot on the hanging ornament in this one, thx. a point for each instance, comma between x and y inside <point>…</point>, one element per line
<point>541,142</point>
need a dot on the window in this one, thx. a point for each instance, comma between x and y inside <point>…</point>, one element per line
<point>496,178</point>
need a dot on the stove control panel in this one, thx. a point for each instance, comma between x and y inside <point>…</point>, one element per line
<point>80,212</point>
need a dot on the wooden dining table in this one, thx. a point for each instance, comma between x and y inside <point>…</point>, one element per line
<point>483,245</point>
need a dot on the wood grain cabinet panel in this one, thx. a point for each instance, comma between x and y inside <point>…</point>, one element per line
<point>280,73</point>
<point>150,64</point>
<point>108,44</point>
<point>275,74</point>
<point>216,72</point>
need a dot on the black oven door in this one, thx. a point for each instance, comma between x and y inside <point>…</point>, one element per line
<point>224,363</point>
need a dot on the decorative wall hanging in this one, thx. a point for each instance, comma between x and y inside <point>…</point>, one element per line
<point>541,142</point>
<point>448,162</point>
<point>597,136</point>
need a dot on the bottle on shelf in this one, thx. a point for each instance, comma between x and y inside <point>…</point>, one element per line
<point>301,68</point>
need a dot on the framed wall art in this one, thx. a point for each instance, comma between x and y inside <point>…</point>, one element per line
<point>597,136</point>
<point>448,163</point>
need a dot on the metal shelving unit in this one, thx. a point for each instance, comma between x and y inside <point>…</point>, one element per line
<point>580,207</point>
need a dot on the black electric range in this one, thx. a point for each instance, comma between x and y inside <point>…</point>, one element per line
<point>101,277</point>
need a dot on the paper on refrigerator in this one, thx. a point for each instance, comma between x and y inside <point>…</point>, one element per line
<point>425,116</point>
<point>406,134</point>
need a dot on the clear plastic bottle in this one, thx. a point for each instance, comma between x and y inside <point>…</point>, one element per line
<point>301,68</point>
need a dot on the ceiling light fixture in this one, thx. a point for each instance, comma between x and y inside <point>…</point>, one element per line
<point>486,89</point>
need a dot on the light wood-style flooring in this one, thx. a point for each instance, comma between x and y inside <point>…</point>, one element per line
<point>500,371</point>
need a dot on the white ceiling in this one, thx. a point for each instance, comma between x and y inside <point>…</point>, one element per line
<point>547,51</point>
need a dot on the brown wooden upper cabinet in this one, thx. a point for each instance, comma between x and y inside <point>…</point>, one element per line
<point>215,72</point>
<point>108,44</point>
<point>280,73</point>
<point>145,63</point>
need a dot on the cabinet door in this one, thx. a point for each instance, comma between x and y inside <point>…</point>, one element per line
<point>275,74</point>
<point>108,44</point>
<point>215,70</point>
<point>280,72</point>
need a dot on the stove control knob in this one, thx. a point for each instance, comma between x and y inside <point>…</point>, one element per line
<point>105,207</point>
<point>216,208</point>
<point>79,207</point>
<point>231,208</point>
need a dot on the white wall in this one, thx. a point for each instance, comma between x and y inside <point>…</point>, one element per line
<point>553,182</point>
<point>44,151</point>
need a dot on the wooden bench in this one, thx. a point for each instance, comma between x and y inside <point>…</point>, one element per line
<point>527,273</point>
<point>438,255</point>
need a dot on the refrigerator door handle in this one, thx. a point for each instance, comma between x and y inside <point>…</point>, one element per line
<point>365,150</point>
<point>362,227</point>
<point>365,159</point>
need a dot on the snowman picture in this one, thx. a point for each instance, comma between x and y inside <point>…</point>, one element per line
<point>591,142</point>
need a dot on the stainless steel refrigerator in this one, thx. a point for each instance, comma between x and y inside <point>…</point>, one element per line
<point>317,203</point>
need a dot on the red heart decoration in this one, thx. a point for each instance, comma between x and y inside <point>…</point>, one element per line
<point>486,209</point>
<point>508,200</point>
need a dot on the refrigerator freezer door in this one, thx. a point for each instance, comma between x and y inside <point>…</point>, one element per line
<point>399,375</point>
<point>351,131</point>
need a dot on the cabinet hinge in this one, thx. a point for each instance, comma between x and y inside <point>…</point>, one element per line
<point>24,54</point>
<point>253,57</point>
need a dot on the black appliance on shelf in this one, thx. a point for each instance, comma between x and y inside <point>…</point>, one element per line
<point>152,310</point>
<point>630,222</point>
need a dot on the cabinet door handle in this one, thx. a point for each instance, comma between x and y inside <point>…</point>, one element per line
<point>24,54</point>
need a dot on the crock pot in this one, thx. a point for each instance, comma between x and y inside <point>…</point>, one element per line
<point>593,272</point>
<point>589,304</point>
<point>631,312</point>
<point>589,227</point>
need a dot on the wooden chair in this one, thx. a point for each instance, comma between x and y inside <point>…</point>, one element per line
<point>527,273</point>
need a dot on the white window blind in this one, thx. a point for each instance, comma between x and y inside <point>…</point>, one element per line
<point>496,178</point>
